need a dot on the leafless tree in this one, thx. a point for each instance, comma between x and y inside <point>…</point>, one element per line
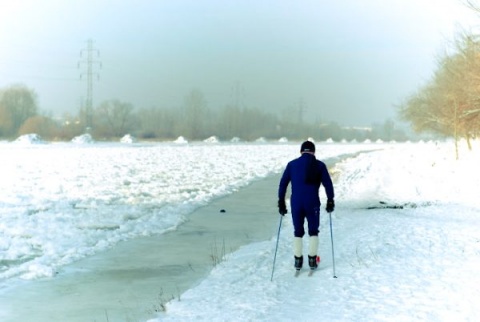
<point>114,118</point>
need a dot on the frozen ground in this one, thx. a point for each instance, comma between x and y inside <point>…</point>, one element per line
<point>407,245</point>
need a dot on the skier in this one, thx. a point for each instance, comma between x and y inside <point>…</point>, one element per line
<point>306,174</point>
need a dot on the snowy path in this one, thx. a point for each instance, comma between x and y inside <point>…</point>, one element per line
<point>410,265</point>
<point>419,262</point>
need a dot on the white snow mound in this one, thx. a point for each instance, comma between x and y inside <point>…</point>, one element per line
<point>83,139</point>
<point>180,140</point>
<point>128,138</point>
<point>212,139</point>
<point>31,138</point>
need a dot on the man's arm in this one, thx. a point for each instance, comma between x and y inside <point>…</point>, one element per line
<point>327,182</point>
<point>282,191</point>
<point>284,181</point>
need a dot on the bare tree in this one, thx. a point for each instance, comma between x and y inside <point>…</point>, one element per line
<point>472,5</point>
<point>114,118</point>
<point>195,114</point>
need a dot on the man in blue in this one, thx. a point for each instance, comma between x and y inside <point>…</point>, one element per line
<point>306,174</point>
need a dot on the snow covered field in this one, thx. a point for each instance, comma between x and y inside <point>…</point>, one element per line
<point>407,248</point>
<point>406,225</point>
<point>60,202</point>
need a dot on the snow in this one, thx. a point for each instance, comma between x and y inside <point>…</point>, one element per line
<point>128,139</point>
<point>405,227</point>
<point>212,139</point>
<point>31,138</point>
<point>83,139</point>
<point>104,193</point>
<point>180,140</point>
<point>406,243</point>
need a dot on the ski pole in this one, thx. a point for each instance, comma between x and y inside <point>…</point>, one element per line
<point>331,238</point>
<point>276,247</point>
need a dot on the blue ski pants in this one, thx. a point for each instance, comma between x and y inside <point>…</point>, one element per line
<point>299,214</point>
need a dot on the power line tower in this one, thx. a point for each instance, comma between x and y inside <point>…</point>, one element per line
<point>301,107</point>
<point>238,95</point>
<point>88,62</point>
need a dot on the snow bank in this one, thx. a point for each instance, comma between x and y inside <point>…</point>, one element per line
<point>83,139</point>
<point>180,140</point>
<point>128,138</point>
<point>31,138</point>
<point>212,139</point>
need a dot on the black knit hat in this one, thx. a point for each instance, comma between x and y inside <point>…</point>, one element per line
<point>307,146</point>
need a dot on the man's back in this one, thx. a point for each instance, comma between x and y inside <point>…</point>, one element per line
<point>306,173</point>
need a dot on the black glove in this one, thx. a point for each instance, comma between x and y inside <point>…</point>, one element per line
<point>330,205</point>
<point>282,207</point>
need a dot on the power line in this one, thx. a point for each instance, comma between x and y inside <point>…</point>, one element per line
<point>89,72</point>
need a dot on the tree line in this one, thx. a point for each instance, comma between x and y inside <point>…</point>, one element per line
<point>449,103</point>
<point>112,119</point>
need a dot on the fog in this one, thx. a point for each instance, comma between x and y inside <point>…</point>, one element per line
<point>346,61</point>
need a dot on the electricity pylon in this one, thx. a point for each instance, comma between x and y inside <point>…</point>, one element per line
<point>89,72</point>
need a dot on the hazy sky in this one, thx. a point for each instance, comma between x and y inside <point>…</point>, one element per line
<point>349,61</point>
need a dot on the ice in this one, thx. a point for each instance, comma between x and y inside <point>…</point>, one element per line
<point>105,193</point>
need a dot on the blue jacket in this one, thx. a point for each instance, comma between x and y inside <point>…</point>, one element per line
<point>306,174</point>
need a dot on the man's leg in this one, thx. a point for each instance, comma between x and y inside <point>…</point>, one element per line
<point>313,219</point>
<point>298,219</point>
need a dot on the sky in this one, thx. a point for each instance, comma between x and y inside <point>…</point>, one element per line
<point>345,61</point>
